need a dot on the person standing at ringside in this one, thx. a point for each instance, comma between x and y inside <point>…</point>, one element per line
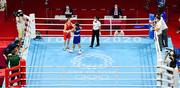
<point>164,33</point>
<point>96,31</point>
<point>68,26</point>
<point>158,28</point>
<point>21,20</point>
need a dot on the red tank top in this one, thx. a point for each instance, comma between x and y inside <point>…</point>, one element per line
<point>68,27</point>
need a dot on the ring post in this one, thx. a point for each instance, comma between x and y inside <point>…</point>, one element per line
<point>23,70</point>
<point>153,35</point>
<point>111,26</point>
<point>151,31</point>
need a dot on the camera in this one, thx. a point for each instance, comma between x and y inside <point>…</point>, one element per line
<point>170,52</point>
<point>18,13</point>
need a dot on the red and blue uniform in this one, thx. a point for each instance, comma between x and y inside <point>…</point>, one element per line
<point>77,37</point>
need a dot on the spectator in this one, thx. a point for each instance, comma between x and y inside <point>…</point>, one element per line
<point>178,30</point>
<point>147,5</point>
<point>119,33</point>
<point>116,11</point>
<point>96,31</point>
<point>161,6</point>
<point>68,11</point>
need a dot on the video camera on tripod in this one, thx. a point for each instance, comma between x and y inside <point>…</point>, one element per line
<point>18,13</point>
<point>170,58</point>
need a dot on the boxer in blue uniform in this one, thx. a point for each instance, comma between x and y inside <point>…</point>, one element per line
<point>77,37</point>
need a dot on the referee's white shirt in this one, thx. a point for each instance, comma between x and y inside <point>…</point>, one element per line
<point>96,25</point>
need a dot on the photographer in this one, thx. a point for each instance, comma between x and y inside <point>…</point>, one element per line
<point>20,23</point>
<point>170,59</point>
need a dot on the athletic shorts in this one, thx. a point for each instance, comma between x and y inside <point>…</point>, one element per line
<point>76,39</point>
<point>67,36</point>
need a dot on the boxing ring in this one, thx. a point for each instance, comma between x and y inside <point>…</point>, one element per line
<point>129,61</point>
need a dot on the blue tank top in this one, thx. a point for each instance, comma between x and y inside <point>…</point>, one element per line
<point>77,32</point>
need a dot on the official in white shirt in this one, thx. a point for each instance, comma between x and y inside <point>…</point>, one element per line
<point>96,31</point>
<point>21,20</point>
<point>158,28</point>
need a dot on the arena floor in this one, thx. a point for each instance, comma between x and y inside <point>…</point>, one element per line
<point>114,51</point>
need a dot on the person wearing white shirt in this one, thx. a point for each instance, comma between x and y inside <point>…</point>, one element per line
<point>164,33</point>
<point>96,31</point>
<point>158,28</point>
<point>21,20</point>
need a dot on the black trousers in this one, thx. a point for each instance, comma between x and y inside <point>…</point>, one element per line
<point>95,34</point>
<point>160,41</point>
<point>164,38</point>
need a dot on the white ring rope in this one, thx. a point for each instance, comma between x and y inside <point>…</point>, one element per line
<point>118,22</point>
<point>91,66</point>
<point>44,35</point>
<point>47,24</point>
<point>91,30</point>
<point>70,85</point>
<point>91,19</point>
<point>90,73</point>
<point>80,79</point>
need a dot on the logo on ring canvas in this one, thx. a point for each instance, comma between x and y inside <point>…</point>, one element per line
<point>92,59</point>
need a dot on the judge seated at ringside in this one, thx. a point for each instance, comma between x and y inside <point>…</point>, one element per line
<point>68,12</point>
<point>116,11</point>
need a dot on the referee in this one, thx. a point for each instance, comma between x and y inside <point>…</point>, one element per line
<point>96,31</point>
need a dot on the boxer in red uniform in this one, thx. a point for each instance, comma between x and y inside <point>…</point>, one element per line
<point>68,26</point>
